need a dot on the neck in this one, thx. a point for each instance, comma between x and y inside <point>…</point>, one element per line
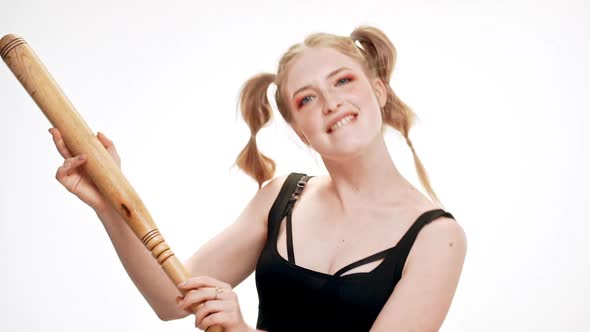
<point>367,179</point>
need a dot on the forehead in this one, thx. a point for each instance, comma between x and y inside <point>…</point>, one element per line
<point>315,64</point>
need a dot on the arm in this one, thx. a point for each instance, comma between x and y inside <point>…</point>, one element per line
<point>230,256</point>
<point>422,297</point>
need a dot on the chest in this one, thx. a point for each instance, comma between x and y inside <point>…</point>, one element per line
<point>326,241</point>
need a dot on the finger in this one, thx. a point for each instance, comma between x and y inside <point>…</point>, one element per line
<point>209,308</point>
<point>109,145</point>
<point>217,318</point>
<point>71,164</point>
<point>178,300</point>
<point>105,140</point>
<point>60,144</point>
<point>204,281</point>
<point>75,163</point>
<point>197,296</point>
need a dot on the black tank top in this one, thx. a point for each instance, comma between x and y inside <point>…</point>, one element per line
<point>294,298</point>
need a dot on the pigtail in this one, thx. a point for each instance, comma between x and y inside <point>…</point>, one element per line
<point>256,112</point>
<point>378,50</point>
<point>381,55</point>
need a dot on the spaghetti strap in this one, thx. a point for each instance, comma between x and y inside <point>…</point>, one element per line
<point>294,196</point>
<point>290,251</point>
<point>278,209</point>
<point>407,241</point>
<point>425,218</point>
<point>363,261</point>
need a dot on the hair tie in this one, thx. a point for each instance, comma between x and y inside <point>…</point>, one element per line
<point>358,44</point>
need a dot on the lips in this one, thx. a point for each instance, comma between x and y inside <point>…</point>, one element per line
<point>338,118</point>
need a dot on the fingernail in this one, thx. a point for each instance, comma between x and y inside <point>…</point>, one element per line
<point>182,284</point>
<point>81,157</point>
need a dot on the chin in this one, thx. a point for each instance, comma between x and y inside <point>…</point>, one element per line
<point>345,150</point>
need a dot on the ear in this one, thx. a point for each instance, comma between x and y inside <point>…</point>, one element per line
<point>380,91</point>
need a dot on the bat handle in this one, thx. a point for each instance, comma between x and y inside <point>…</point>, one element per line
<point>175,270</point>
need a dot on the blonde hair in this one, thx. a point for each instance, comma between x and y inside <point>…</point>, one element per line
<point>377,56</point>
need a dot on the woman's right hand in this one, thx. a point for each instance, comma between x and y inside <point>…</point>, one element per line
<point>74,178</point>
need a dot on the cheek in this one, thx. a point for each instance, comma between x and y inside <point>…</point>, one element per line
<point>370,109</point>
<point>307,124</point>
<point>313,126</point>
<point>372,99</point>
<point>362,95</point>
<point>366,101</point>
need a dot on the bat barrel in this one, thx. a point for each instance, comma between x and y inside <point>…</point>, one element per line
<point>76,133</point>
<point>79,138</point>
<point>8,42</point>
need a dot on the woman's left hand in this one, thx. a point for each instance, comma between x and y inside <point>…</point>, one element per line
<point>219,304</point>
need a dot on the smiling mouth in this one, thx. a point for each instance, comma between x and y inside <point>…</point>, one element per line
<point>343,123</point>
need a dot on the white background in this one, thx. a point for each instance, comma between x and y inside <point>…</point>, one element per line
<point>500,88</point>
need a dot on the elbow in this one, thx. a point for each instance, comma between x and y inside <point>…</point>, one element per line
<point>168,316</point>
<point>164,318</point>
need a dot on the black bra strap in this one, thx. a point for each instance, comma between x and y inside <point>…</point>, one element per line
<point>404,243</point>
<point>279,207</point>
<point>363,261</point>
<point>290,253</point>
<point>407,241</point>
<point>294,196</point>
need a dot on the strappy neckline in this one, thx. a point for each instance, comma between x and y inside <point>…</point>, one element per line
<point>385,254</point>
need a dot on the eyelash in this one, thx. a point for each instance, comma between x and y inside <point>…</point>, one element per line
<point>300,102</point>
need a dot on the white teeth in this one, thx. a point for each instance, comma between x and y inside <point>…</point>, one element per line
<point>342,122</point>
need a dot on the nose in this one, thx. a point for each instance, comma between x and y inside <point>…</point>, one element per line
<point>333,103</point>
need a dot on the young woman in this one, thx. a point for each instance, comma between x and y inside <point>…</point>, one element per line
<point>357,249</point>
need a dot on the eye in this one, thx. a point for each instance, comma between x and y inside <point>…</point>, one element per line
<point>344,79</point>
<point>303,101</point>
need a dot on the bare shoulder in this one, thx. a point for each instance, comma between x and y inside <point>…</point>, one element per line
<point>443,230</point>
<point>429,279</point>
<point>272,186</point>
<point>441,239</point>
<point>439,231</point>
<point>265,197</point>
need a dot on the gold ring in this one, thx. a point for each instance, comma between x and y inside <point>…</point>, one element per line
<point>217,291</point>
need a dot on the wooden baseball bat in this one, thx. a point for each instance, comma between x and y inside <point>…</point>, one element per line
<point>100,166</point>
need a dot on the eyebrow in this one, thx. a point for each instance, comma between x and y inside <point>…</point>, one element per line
<point>329,75</point>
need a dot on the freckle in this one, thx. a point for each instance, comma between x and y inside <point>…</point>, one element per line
<point>450,244</point>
